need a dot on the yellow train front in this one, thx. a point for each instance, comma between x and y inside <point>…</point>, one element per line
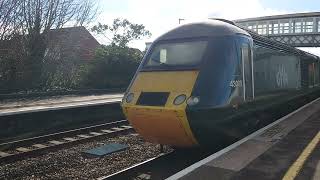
<point>195,85</point>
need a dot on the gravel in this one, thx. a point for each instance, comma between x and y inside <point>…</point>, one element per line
<point>71,163</point>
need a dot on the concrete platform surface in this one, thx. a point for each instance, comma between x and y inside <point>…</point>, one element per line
<point>19,106</point>
<point>287,149</point>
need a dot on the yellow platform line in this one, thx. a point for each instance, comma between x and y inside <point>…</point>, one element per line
<point>295,168</point>
<point>316,175</point>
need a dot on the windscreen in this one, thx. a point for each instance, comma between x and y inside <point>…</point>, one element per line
<point>185,54</point>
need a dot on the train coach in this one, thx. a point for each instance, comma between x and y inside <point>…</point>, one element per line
<point>210,83</point>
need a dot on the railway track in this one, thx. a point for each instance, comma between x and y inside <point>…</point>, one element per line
<point>15,150</point>
<point>160,167</point>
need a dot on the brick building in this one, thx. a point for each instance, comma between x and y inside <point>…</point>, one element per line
<point>67,43</point>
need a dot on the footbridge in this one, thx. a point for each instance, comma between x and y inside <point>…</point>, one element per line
<point>298,30</point>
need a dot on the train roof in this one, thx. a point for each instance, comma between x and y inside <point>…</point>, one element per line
<point>222,27</point>
<point>208,28</point>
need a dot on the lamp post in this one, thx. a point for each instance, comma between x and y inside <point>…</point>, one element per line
<point>181,19</point>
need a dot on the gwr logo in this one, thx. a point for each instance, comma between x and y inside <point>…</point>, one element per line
<point>282,76</point>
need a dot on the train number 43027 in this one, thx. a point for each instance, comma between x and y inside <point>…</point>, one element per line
<point>236,83</point>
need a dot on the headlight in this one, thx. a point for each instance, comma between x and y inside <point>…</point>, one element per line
<point>179,99</point>
<point>193,101</point>
<point>129,98</point>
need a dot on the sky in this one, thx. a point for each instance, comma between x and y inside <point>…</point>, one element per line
<point>162,15</point>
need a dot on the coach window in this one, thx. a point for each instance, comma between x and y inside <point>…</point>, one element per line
<point>318,25</point>
<point>247,73</point>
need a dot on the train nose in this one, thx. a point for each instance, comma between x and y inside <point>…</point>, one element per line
<point>155,106</point>
<point>162,125</point>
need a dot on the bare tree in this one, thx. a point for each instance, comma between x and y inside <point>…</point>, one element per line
<point>42,15</point>
<point>9,9</point>
<point>39,16</point>
<point>31,21</point>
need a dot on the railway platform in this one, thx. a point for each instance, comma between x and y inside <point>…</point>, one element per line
<point>20,106</point>
<point>287,149</point>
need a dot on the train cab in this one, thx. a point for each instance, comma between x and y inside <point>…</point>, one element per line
<point>194,66</point>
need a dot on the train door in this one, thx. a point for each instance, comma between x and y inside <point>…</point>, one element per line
<point>311,75</point>
<point>247,70</point>
<point>316,75</point>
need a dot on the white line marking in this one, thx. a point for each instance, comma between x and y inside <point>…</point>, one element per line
<point>48,108</point>
<point>131,167</point>
<point>234,145</point>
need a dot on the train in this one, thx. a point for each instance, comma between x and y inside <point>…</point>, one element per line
<point>213,82</point>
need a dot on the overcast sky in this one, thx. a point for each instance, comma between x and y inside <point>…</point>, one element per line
<point>162,15</point>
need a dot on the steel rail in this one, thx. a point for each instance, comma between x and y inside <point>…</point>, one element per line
<point>17,150</point>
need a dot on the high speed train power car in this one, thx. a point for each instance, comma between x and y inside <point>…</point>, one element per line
<point>213,82</point>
